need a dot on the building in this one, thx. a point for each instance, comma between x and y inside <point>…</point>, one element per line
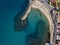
<point>58,3</point>
<point>43,0</point>
<point>55,2</point>
<point>58,18</point>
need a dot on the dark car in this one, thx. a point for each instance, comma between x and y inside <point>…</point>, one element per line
<point>58,33</point>
<point>57,41</point>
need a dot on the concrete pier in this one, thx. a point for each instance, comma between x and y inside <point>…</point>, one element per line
<point>45,10</point>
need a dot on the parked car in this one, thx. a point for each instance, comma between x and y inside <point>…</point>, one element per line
<point>57,41</point>
<point>58,30</point>
<point>58,37</point>
<point>58,27</point>
<point>57,33</point>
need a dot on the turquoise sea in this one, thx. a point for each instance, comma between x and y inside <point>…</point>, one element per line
<point>38,28</point>
<point>8,10</point>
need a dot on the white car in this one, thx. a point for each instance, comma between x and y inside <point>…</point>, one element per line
<point>58,37</point>
<point>58,29</point>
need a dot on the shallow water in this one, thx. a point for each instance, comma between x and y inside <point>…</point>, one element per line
<point>38,28</point>
<point>8,10</point>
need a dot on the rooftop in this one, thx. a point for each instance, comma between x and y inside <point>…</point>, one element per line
<point>58,1</point>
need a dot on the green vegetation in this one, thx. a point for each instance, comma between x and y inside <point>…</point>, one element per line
<point>48,1</point>
<point>58,1</point>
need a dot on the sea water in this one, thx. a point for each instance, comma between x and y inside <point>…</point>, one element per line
<point>8,10</point>
<point>37,33</point>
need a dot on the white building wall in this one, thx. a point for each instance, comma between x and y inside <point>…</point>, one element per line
<point>43,0</point>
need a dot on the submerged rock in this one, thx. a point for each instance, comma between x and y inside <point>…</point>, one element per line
<point>32,39</point>
<point>39,36</point>
<point>20,25</point>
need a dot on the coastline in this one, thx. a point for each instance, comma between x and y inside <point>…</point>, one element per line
<point>38,22</point>
<point>45,11</point>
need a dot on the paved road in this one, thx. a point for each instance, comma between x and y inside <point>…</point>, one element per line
<point>45,10</point>
<point>46,4</point>
<point>54,21</point>
<point>55,28</point>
